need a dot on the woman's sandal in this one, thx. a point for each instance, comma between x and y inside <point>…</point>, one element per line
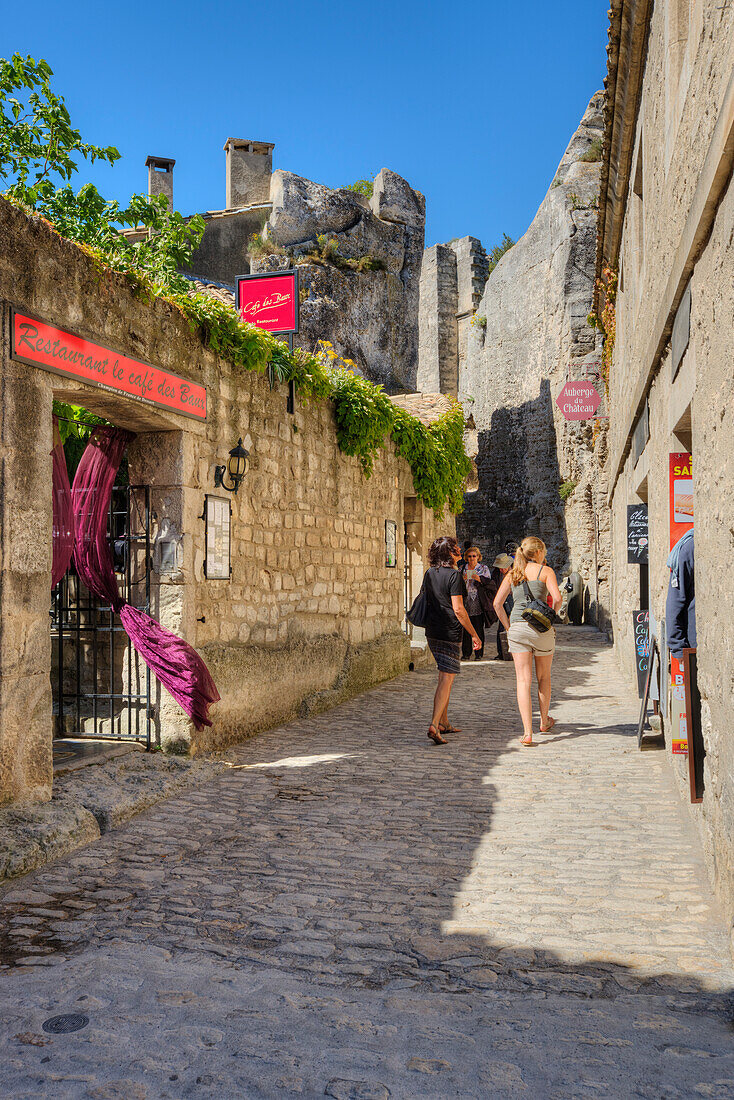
<point>436,736</point>
<point>527,744</point>
<point>449,728</point>
<point>550,727</point>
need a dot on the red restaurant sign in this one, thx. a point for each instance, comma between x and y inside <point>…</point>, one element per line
<point>578,400</point>
<point>54,349</point>
<point>269,301</point>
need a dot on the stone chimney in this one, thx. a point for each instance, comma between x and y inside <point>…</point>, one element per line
<point>249,168</point>
<point>160,177</point>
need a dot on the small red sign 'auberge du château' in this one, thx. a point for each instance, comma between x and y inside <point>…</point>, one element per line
<point>578,400</point>
<point>43,345</point>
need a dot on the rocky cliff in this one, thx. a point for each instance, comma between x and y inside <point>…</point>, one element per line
<point>536,336</point>
<point>361,292</point>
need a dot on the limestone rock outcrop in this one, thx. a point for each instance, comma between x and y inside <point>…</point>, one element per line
<point>370,316</point>
<point>532,335</point>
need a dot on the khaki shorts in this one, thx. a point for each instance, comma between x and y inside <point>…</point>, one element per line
<point>523,638</point>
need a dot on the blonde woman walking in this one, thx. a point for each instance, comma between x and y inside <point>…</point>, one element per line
<point>524,641</point>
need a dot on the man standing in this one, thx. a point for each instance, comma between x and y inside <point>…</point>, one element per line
<point>501,565</point>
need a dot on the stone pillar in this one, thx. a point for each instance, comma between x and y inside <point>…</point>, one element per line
<point>157,459</point>
<point>160,178</point>
<point>437,344</point>
<point>472,271</point>
<point>25,579</point>
<point>249,168</point>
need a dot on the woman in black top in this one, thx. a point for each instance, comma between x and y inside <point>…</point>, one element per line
<point>445,616</point>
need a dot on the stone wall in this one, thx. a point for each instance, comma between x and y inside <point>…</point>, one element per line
<point>678,214</point>
<point>311,612</point>
<point>535,305</point>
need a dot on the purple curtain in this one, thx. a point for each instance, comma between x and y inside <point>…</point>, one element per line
<point>178,667</point>
<point>63,527</point>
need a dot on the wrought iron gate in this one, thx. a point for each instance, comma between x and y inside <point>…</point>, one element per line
<point>101,687</point>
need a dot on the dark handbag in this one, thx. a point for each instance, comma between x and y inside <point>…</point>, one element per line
<point>537,613</point>
<point>418,613</point>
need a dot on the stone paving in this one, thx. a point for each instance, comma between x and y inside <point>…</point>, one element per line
<point>352,912</point>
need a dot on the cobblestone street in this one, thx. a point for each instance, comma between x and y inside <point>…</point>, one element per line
<point>352,912</point>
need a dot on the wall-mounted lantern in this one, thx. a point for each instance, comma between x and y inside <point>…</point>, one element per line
<point>236,468</point>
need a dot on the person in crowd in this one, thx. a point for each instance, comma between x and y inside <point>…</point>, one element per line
<point>445,590</point>
<point>480,593</point>
<point>500,567</point>
<point>680,603</point>
<point>525,642</point>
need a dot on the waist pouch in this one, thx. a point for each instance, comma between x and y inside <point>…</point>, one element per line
<point>537,613</point>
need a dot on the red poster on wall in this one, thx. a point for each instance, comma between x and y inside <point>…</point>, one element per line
<point>681,495</point>
<point>269,301</point>
<point>678,712</point>
<point>54,349</point>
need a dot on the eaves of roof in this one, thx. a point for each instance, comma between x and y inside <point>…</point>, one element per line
<point>629,28</point>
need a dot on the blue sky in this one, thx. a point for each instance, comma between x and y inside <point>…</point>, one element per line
<point>473,103</point>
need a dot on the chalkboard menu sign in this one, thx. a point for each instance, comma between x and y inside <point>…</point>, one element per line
<point>637,540</point>
<point>642,647</point>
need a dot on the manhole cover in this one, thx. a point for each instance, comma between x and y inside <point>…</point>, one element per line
<point>62,1025</point>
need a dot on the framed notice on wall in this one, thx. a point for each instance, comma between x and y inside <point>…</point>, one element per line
<point>391,543</point>
<point>217,563</point>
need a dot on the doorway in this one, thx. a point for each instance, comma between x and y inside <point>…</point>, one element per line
<point>101,686</point>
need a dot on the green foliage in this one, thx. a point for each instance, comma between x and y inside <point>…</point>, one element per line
<point>75,427</point>
<point>362,187</point>
<point>328,247</point>
<point>579,203</point>
<point>37,141</point>
<point>38,146</point>
<point>495,254</point>
<point>39,149</point>
<point>364,416</point>
<point>436,457</point>
<point>328,253</point>
<point>259,246</point>
<point>75,422</point>
<point>151,258</point>
<point>594,152</point>
<point>566,489</point>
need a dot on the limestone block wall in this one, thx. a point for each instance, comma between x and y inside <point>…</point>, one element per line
<point>311,612</point>
<point>536,303</point>
<point>678,227</point>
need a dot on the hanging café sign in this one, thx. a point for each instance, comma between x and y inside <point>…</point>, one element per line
<point>42,345</point>
<point>270,301</point>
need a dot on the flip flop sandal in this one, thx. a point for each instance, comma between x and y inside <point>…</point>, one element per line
<point>436,736</point>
